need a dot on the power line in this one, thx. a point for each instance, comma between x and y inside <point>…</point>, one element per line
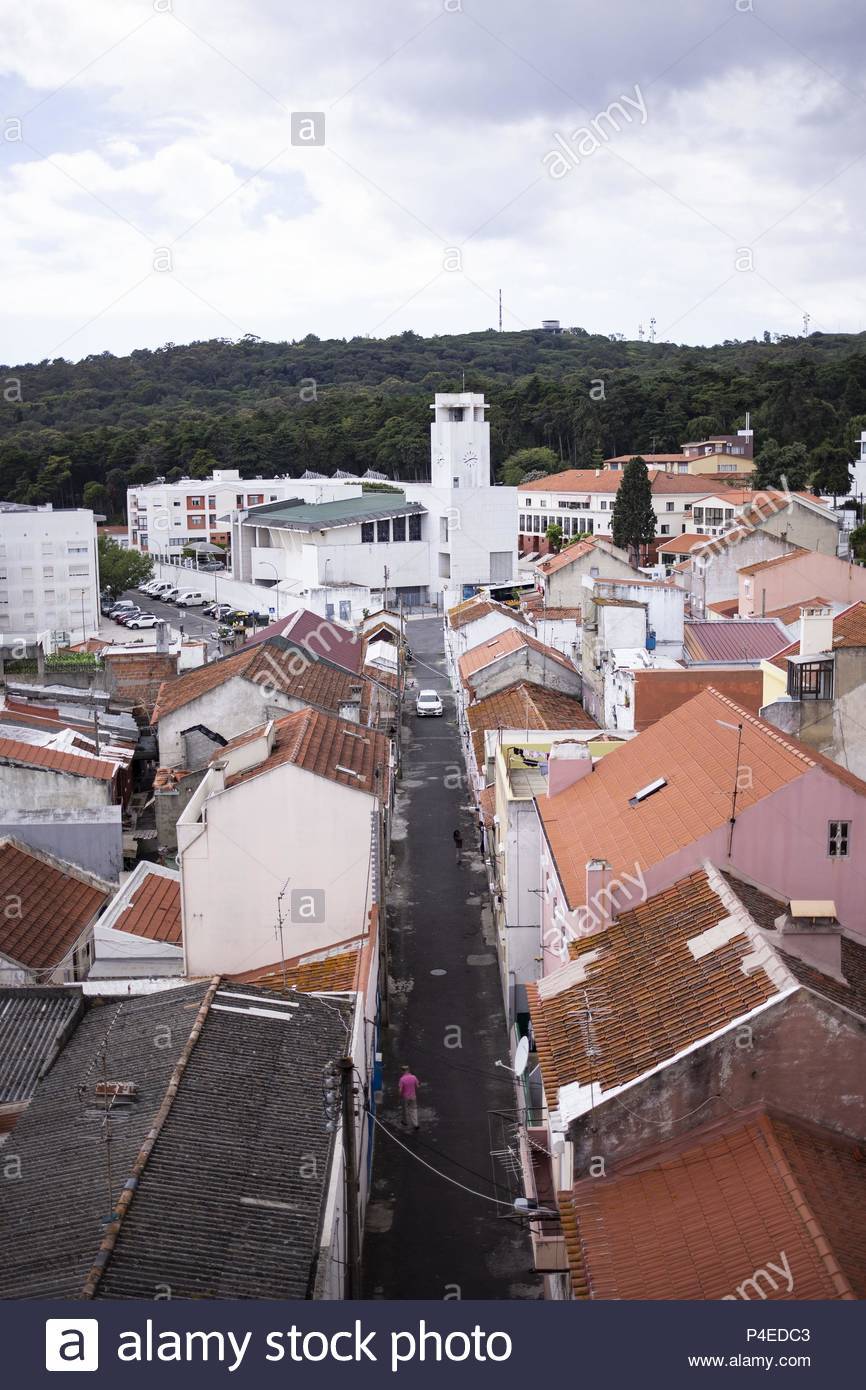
<point>418,1159</point>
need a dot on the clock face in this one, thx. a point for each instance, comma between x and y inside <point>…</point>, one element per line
<point>470,457</point>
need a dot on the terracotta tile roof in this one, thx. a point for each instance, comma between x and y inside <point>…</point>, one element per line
<point>694,754</point>
<point>727,607</point>
<point>776,561</point>
<point>278,663</point>
<point>153,909</point>
<point>587,481</point>
<point>338,749</point>
<point>696,1219</point>
<point>35,755</point>
<point>680,545</point>
<point>649,995</point>
<point>791,612</point>
<point>524,706</point>
<point>487,804</point>
<point>191,685</point>
<point>329,972</point>
<point>512,640</point>
<point>475,608</point>
<point>737,639</point>
<point>566,557</point>
<point>554,615</point>
<point>57,904</point>
<point>849,630</point>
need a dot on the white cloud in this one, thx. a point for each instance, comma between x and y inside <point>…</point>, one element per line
<point>164,132</point>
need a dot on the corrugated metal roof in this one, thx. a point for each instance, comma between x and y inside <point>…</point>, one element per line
<point>735,639</point>
<point>33,1026</point>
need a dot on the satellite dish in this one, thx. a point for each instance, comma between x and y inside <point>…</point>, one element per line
<point>521,1057</point>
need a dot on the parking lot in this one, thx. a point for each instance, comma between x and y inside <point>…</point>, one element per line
<point>191,622</point>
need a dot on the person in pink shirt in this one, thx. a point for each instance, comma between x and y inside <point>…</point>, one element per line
<point>408,1088</point>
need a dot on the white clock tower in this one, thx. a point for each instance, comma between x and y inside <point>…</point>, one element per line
<point>459,441</point>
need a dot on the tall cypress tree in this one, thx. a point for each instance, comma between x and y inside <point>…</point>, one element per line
<point>634,521</point>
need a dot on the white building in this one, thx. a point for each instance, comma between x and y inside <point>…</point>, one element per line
<point>49,574</point>
<point>289,825</point>
<point>164,517</point>
<point>343,551</point>
<point>580,501</point>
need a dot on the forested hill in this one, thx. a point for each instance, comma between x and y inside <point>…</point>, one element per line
<point>271,408</point>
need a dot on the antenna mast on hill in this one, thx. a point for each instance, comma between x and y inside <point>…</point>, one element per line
<point>652,332</point>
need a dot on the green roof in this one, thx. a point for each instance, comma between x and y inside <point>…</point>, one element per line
<point>321,516</point>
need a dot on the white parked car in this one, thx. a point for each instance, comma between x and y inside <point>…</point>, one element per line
<point>428,703</point>
<point>193,599</point>
<point>143,620</point>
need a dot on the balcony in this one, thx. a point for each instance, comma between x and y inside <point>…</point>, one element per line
<point>548,1242</point>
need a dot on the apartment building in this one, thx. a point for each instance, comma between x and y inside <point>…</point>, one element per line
<point>721,453</point>
<point>164,517</point>
<point>580,501</point>
<point>49,574</point>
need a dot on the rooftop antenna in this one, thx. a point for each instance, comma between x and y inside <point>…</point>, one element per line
<point>652,332</point>
<point>280,896</point>
<point>807,319</point>
<point>640,332</point>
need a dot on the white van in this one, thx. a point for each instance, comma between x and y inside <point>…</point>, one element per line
<point>161,587</point>
<point>192,599</point>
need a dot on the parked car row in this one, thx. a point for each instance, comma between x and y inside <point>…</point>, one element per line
<point>168,592</point>
<point>128,614</point>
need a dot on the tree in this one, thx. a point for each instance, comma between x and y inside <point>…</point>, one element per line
<point>202,464</point>
<point>95,498</point>
<point>121,569</point>
<point>553,536</point>
<point>634,520</point>
<point>524,461</point>
<point>831,470</point>
<point>779,465</point>
<point>857,541</point>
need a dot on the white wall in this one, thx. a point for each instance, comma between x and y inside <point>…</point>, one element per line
<point>49,574</point>
<point>286,825</point>
<point>46,790</point>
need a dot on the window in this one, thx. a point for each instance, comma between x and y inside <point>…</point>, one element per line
<point>367,532</point>
<point>195,523</point>
<point>665,530</point>
<point>542,501</point>
<point>76,550</point>
<point>727,468</point>
<point>398,528</point>
<point>345,610</point>
<point>810,680</point>
<point>837,839</point>
<point>195,501</point>
<point>669,506</point>
<point>47,571</point>
<point>383,530</point>
<point>527,501</point>
<point>255,499</point>
<point>443,530</point>
<point>211,501</point>
<point>729,512</point>
<point>415,527</point>
<point>78,571</point>
<point>521,525</point>
<point>682,468</point>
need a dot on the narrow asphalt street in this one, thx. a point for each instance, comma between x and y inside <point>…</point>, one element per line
<point>425,1237</point>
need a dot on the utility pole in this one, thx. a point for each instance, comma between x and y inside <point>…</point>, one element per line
<point>353,1243</point>
<point>385,604</point>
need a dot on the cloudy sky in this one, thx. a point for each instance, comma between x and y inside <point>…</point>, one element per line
<point>699,161</point>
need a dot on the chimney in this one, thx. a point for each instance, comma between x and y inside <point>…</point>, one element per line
<point>568,762</point>
<point>162,637</point>
<point>816,630</point>
<point>811,931</point>
<point>596,914</point>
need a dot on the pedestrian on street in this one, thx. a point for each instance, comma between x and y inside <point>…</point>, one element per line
<point>458,846</point>
<point>408,1088</point>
